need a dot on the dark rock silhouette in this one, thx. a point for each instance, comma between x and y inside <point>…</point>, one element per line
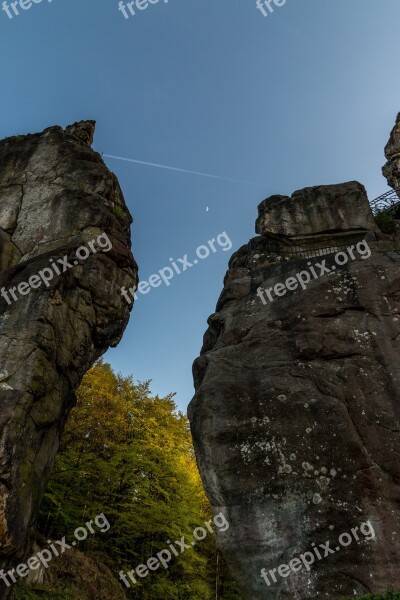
<point>56,195</point>
<point>296,416</point>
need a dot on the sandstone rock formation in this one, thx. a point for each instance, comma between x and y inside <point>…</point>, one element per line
<point>296,416</point>
<point>316,211</point>
<point>391,169</point>
<point>56,195</point>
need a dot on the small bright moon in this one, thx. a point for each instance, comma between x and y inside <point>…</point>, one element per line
<point>207,209</point>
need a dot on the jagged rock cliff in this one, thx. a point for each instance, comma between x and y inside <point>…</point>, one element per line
<point>64,254</point>
<point>391,169</point>
<point>296,416</point>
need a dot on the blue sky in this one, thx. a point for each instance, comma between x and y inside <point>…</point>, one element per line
<point>302,97</point>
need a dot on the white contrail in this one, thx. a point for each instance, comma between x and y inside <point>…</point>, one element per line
<point>150,164</point>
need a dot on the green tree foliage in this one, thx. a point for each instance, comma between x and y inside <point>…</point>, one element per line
<point>386,221</point>
<point>129,455</point>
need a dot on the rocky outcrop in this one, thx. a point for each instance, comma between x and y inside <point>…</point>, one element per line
<point>296,416</point>
<point>315,211</point>
<point>391,169</point>
<point>64,254</point>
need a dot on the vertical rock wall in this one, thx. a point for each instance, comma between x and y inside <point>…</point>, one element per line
<point>296,416</point>
<point>391,169</point>
<point>56,196</point>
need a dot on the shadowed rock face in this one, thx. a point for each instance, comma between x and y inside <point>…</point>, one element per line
<point>56,195</point>
<point>296,416</point>
<point>391,169</point>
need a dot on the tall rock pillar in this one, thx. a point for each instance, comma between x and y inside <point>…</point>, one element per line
<point>64,254</point>
<point>296,416</point>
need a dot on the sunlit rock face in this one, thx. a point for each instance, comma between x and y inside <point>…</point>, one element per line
<point>56,195</point>
<point>296,416</point>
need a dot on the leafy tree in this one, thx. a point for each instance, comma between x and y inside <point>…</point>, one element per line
<point>129,455</point>
<point>386,221</point>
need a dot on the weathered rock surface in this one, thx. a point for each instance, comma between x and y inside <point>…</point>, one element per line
<point>296,416</point>
<point>391,169</point>
<point>56,195</point>
<point>316,211</point>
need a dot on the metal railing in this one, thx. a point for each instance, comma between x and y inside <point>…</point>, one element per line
<point>301,252</point>
<point>307,252</point>
<point>387,202</point>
